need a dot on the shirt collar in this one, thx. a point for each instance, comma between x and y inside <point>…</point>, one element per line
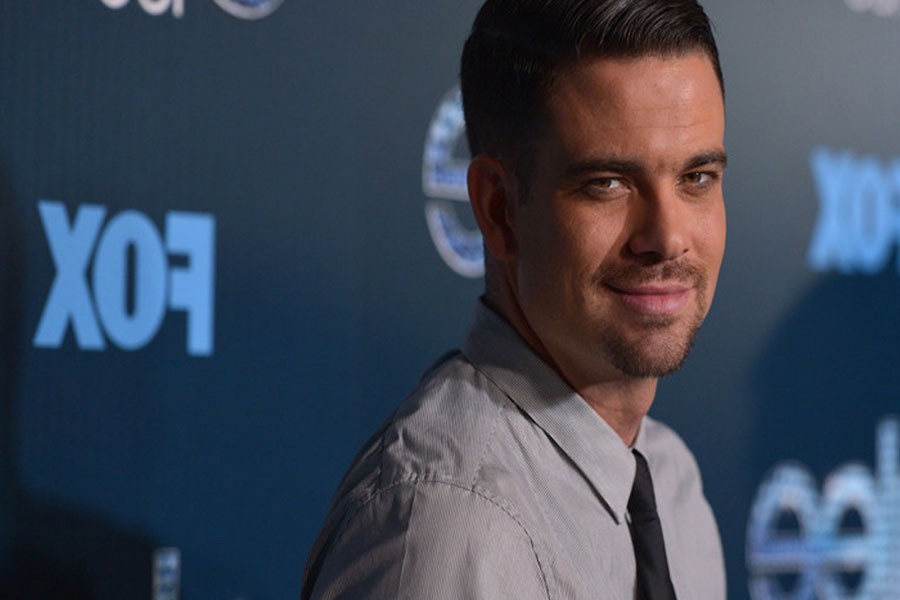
<point>497,350</point>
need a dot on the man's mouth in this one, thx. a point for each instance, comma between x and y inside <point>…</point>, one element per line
<point>654,299</point>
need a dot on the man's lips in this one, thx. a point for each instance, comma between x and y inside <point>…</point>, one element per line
<point>654,299</point>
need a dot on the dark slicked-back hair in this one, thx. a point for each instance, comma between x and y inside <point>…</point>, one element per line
<point>518,47</point>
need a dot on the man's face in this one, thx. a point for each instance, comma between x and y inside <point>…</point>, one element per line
<point>620,239</point>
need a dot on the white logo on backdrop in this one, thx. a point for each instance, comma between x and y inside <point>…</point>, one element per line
<point>840,544</point>
<point>249,9</point>
<point>243,9</point>
<point>881,8</point>
<point>444,182</point>
<point>151,7</point>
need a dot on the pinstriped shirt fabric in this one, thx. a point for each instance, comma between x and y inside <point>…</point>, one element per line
<point>494,479</point>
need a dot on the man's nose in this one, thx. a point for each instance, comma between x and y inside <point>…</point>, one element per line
<point>660,226</point>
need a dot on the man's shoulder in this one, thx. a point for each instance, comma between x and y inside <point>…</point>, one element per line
<point>426,538</point>
<point>429,476</point>
<point>443,432</point>
<point>446,425</point>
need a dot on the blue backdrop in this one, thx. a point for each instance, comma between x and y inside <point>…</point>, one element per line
<point>217,277</point>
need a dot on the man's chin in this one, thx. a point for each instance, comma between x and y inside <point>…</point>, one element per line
<point>650,368</point>
<point>652,356</point>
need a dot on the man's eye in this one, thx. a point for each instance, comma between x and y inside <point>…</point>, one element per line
<point>698,178</point>
<point>603,184</point>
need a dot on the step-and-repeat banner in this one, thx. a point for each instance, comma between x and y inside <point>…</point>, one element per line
<point>233,233</point>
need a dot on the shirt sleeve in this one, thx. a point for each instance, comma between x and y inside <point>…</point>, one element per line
<point>430,540</point>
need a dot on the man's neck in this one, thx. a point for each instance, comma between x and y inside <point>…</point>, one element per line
<point>621,401</point>
<point>621,404</point>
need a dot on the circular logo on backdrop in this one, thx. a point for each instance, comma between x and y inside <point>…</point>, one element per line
<point>249,9</point>
<point>444,168</point>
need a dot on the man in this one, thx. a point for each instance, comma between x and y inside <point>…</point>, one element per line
<point>523,466</point>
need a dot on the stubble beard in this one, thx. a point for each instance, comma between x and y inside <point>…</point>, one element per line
<point>661,344</point>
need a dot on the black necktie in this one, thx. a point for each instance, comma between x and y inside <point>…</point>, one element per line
<point>653,582</point>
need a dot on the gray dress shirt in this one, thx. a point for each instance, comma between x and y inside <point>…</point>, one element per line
<point>495,480</point>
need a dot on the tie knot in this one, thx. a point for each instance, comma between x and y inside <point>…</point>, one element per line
<point>642,500</point>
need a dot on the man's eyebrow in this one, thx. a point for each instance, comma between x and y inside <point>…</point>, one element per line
<point>614,165</point>
<point>715,157</point>
<point>598,165</point>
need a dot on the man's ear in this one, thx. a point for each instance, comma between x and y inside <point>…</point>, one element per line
<point>492,194</point>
